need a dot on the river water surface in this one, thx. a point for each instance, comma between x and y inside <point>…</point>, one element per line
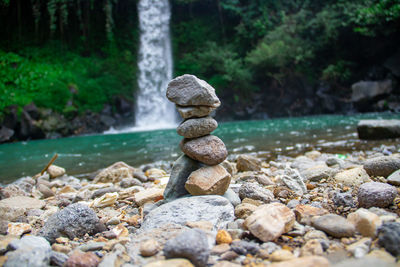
<point>268,138</point>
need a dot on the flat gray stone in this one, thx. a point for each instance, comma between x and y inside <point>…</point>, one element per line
<point>374,194</point>
<point>181,170</point>
<point>207,149</point>
<point>192,128</point>
<point>188,90</point>
<point>216,209</point>
<point>334,225</point>
<point>378,129</point>
<point>194,111</point>
<point>382,166</point>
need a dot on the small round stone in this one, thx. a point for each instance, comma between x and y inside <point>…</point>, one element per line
<point>149,248</point>
<point>208,149</point>
<point>374,194</point>
<point>223,237</point>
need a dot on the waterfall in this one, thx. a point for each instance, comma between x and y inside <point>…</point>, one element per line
<point>153,110</point>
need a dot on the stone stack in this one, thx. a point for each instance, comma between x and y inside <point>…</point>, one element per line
<point>198,171</point>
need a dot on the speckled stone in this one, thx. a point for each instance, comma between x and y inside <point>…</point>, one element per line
<point>374,194</point>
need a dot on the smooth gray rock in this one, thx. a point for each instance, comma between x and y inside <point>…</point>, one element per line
<point>256,192</point>
<point>233,198</point>
<point>334,225</point>
<point>394,178</point>
<point>364,90</point>
<point>194,111</point>
<point>293,180</point>
<point>389,237</point>
<point>128,182</point>
<point>73,221</point>
<point>191,244</point>
<point>181,170</point>
<point>374,194</point>
<point>382,166</point>
<point>29,251</point>
<point>197,127</point>
<point>207,149</point>
<point>216,209</point>
<point>378,129</point>
<point>188,90</point>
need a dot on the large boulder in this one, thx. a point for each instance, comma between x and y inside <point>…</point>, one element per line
<point>188,90</point>
<point>365,90</point>
<point>378,129</point>
<point>216,209</point>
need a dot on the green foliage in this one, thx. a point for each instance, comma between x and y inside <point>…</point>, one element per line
<point>337,72</point>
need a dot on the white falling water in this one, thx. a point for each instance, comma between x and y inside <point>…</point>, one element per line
<point>153,109</point>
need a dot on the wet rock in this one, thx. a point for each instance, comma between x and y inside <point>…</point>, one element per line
<point>208,180</point>
<point>334,225</point>
<point>188,90</point>
<point>58,259</point>
<point>219,212</point>
<point>256,192</point>
<point>293,180</point>
<point>304,213</point>
<point>192,128</point>
<point>352,177</point>
<point>207,149</point>
<point>55,171</point>
<point>14,207</point>
<point>365,222</point>
<point>374,194</point>
<point>114,173</point>
<point>382,166</point>
<point>394,178</point>
<point>191,244</point>
<point>270,221</point>
<point>181,170</point>
<point>73,221</point>
<point>29,251</point>
<point>309,261</point>
<point>378,129</point>
<point>389,237</point>
<point>149,248</point>
<point>248,163</point>
<point>170,263</point>
<point>232,197</point>
<point>243,247</point>
<point>343,199</point>
<point>78,259</point>
<point>194,111</point>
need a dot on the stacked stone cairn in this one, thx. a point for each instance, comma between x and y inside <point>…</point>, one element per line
<point>198,171</point>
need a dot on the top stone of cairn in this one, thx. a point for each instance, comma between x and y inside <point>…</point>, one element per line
<point>188,90</point>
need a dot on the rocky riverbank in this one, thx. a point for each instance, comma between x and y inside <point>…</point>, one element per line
<point>317,209</point>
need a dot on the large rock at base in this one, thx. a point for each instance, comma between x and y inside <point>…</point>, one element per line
<point>365,90</point>
<point>207,149</point>
<point>270,221</point>
<point>114,173</point>
<point>216,209</point>
<point>197,127</point>
<point>73,221</point>
<point>181,170</point>
<point>29,251</point>
<point>374,194</point>
<point>14,207</point>
<point>191,244</point>
<point>382,166</point>
<point>378,129</point>
<point>188,90</point>
<point>209,180</point>
<point>194,111</point>
<point>248,163</point>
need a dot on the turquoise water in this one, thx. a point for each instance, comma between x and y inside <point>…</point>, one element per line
<point>269,138</point>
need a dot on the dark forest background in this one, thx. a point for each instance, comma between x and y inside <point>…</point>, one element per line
<point>70,66</point>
